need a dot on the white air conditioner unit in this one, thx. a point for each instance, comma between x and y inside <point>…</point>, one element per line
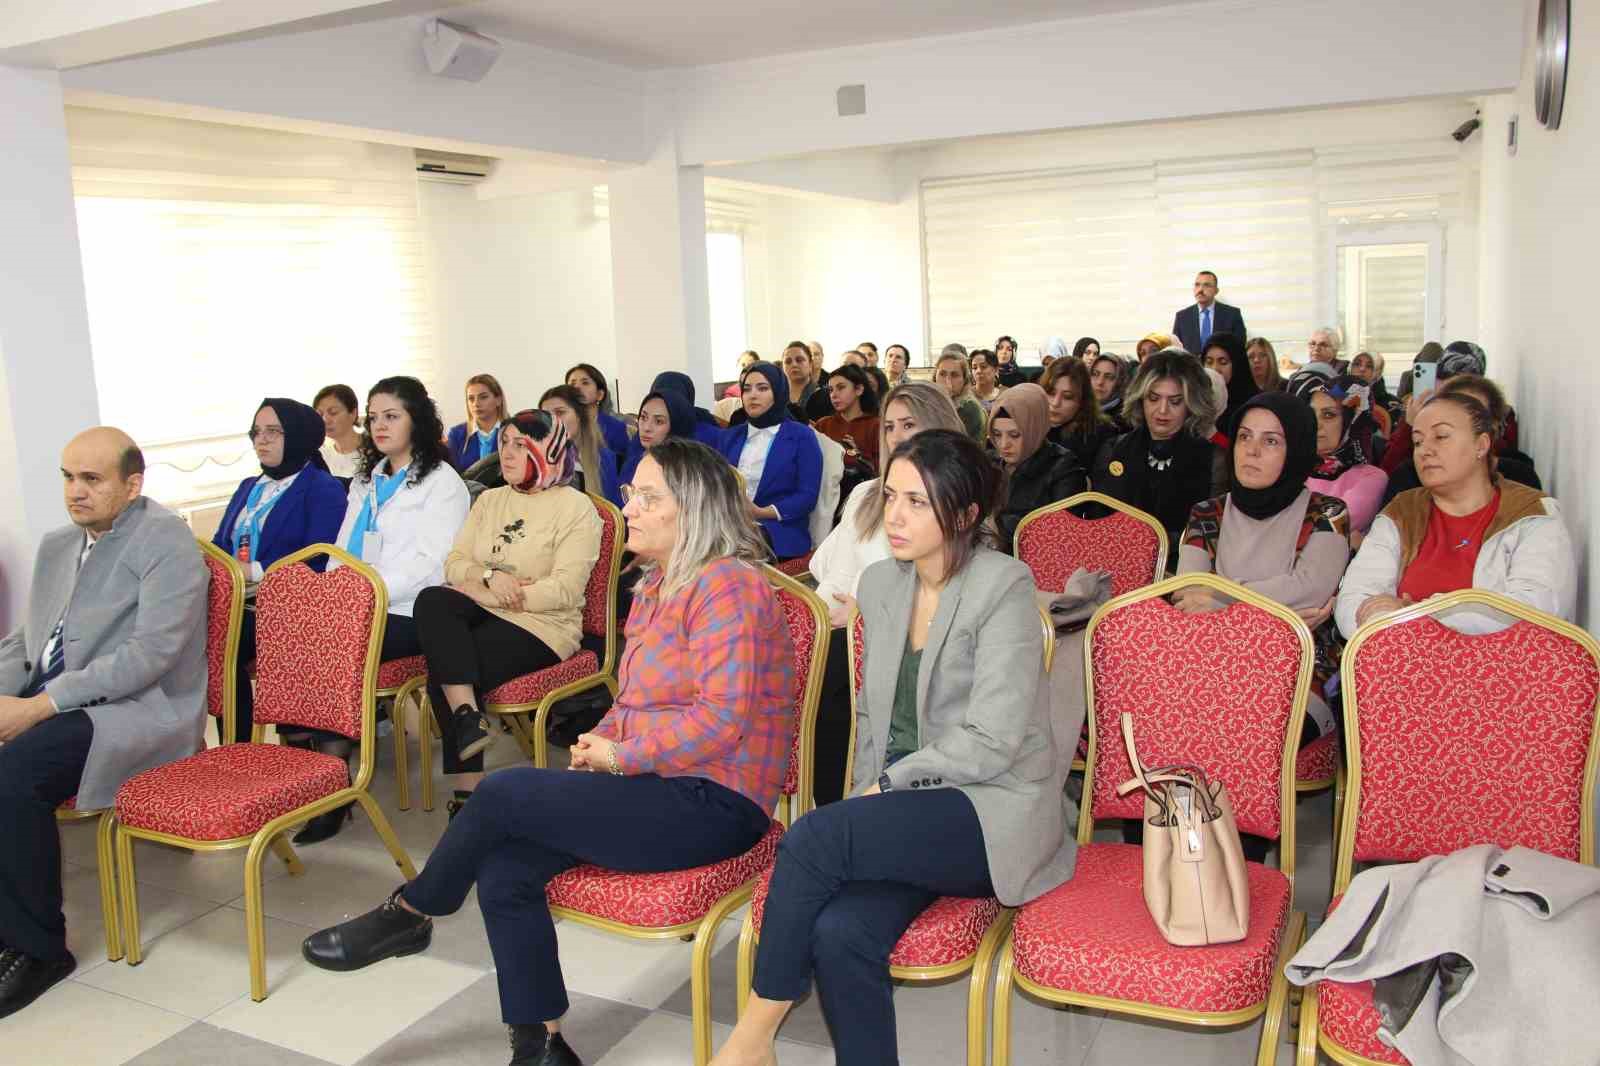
<point>451,168</point>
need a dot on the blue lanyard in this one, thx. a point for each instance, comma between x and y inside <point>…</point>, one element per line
<point>486,442</point>
<point>253,516</point>
<point>384,486</point>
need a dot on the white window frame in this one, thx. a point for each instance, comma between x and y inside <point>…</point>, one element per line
<point>1338,238</point>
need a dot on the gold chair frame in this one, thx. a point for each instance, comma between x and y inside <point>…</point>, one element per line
<point>704,931</point>
<point>1273,1006</point>
<point>1310,1037</point>
<point>979,964</point>
<point>271,835</point>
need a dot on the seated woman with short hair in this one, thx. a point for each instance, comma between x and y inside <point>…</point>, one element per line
<point>513,598</point>
<point>957,789</point>
<point>780,460</point>
<point>1465,527</point>
<point>1038,470</point>
<point>1272,534</point>
<point>293,503</point>
<point>683,771</point>
<point>341,418</point>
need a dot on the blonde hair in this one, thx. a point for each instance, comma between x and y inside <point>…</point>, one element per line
<point>1184,368</point>
<point>487,381</point>
<point>713,517</point>
<point>932,407</point>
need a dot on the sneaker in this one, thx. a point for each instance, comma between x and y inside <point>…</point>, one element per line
<point>386,932</point>
<point>472,731</point>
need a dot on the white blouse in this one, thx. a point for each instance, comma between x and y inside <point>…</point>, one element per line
<point>842,556</point>
<point>341,464</point>
<point>753,458</point>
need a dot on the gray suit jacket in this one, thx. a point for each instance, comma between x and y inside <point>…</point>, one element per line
<point>983,711</point>
<point>135,657</point>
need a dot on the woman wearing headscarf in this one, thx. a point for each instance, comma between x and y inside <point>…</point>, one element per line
<point>1272,534</point>
<point>1225,354</point>
<point>1341,406</point>
<point>1108,377</point>
<point>1038,470</point>
<point>1368,366</point>
<point>780,460</point>
<point>1151,343</point>
<point>706,428</point>
<point>662,414</point>
<point>292,503</point>
<point>512,601</point>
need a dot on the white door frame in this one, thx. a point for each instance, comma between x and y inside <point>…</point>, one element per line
<point>1429,233</point>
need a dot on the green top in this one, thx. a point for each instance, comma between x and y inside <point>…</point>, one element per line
<point>904,732</point>
<point>972,416</point>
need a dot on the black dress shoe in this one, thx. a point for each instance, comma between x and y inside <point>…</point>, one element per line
<point>24,978</point>
<point>472,731</point>
<point>325,825</point>
<point>534,1045</point>
<point>386,932</point>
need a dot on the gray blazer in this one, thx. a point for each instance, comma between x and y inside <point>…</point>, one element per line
<point>983,712</point>
<point>135,657</point>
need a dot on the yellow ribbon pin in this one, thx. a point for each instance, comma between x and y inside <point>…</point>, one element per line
<point>1115,468</point>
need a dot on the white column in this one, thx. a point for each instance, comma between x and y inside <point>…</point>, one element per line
<point>660,302</point>
<point>47,389</point>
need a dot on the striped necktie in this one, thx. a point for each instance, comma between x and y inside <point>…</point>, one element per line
<point>55,649</point>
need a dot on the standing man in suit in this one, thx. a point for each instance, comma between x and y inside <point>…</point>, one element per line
<point>1194,325</point>
<point>104,680</point>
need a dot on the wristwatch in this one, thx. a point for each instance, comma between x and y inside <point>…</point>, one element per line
<point>884,784</point>
<point>488,572</point>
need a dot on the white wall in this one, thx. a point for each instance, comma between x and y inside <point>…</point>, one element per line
<point>521,290</point>
<point>1540,235</point>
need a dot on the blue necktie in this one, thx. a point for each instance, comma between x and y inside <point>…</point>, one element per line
<point>56,661</point>
<point>1205,327</point>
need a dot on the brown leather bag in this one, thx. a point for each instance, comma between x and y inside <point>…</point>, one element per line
<point>1195,883</point>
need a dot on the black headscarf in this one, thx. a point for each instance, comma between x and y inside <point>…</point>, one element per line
<point>303,434</point>
<point>680,412</point>
<point>779,411</point>
<point>1300,455</point>
<point>1241,384</point>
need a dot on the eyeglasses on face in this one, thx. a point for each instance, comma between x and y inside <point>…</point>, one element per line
<point>265,433</point>
<point>647,500</point>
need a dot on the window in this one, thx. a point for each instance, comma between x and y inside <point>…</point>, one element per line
<point>725,281</point>
<point>223,263</point>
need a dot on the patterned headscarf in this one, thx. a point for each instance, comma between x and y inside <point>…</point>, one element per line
<point>1354,397</point>
<point>552,459</point>
<point>1462,357</point>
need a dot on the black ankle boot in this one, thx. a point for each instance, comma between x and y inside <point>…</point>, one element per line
<point>534,1045</point>
<point>324,826</point>
<point>472,731</point>
<point>455,803</point>
<point>386,932</point>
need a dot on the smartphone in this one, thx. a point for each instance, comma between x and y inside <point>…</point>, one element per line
<point>1424,376</point>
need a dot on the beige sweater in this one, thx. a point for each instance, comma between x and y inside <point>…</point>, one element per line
<point>549,538</point>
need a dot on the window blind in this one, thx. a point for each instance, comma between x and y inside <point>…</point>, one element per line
<point>223,264</point>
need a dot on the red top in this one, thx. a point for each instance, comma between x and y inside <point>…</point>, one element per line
<point>707,684</point>
<point>1449,552</point>
<point>863,432</point>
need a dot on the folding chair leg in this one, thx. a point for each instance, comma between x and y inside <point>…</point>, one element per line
<point>283,850</point>
<point>978,985</point>
<point>1004,982</point>
<point>130,897</point>
<point>386,832</point>
<point>1278,997</point>
<point>744,976</point>
<point>427,728</point>
<point>254,918</point>
<point>402,772</point>
<point>1306,1039</point>
<point>700,971</point>
<point>105,858</point>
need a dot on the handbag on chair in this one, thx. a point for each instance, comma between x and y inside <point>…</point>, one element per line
<point>1195,884</point>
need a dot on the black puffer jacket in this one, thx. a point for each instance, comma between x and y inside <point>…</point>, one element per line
<point>1052,473</point>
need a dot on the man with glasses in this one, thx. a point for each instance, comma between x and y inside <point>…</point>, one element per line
<point>1195,324</point>
<point>106,678</point>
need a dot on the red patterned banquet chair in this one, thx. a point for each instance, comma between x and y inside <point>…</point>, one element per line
<point>524,702</point>
<point>400,680</point>
<point>1091,941</point>
<point>955,935</point>
<point>317,645</point>
<point>1054,541</point>
<point>1456,740</point>
<point>680,903</point>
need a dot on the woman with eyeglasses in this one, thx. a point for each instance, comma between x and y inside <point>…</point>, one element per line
<point>682,772</point>
<point>292,503</point>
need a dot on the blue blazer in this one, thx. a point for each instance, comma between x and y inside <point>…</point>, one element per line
<point>606,484</point>
<point>463,446</point>
<point>615,432</point>
<point>311,512</point>
<point>790,482</point>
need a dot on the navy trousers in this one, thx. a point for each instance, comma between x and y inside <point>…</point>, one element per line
<point>851,877</point>
<point>39,770</point>
<point>525,825</point>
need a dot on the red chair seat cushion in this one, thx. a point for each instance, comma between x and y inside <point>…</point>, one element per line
<point>658,900</point>
<point>1318,760</point>
<point>1346,1015</point>
<point>228,792</point>
<point>948,931</point>
<point>796,566</point>
<point>397,672</point>
<point>531,688</point>
<point>1093,935</point>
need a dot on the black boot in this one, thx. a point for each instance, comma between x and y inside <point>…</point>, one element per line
<point>326,825</point>
<point>386,932</point>
<point>534,1045</point>
<point>24,978</point>
<point>472,731</point>
<point>454,805</point>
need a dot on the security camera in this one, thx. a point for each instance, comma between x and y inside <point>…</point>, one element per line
<point>1466,129</point>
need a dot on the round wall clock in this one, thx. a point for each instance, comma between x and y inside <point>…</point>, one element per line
<point>1550,59</point>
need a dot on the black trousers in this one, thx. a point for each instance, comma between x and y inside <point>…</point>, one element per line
<point>833,722</point>
<point>39,770</point>
<point>851,877</point>
<point>525,825</point>
<point>465,644</point>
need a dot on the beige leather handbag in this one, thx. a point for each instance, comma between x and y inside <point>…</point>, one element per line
<point>1194,874</point>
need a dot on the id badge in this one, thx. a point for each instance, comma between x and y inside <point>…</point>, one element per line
<point>371,544</point>
<point>244,549</point>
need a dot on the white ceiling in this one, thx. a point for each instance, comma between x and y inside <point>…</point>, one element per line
<point>651,34</point>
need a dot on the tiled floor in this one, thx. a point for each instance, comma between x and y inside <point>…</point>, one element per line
<point>188,1003</point>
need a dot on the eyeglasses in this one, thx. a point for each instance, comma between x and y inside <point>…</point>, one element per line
<point>265,433</point>
<point>1320,344</point>
<point>647,500</point>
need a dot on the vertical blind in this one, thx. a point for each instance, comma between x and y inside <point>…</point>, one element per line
<point>225,263</point>
<point>1112,252</point>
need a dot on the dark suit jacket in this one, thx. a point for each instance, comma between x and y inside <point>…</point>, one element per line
<point>791,482</point>
<point>311,512</point>
<point>1225,318</point>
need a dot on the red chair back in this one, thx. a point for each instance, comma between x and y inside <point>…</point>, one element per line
<point>1457,740</point>
<point>600,594</point>
<point>1054,542</point>
<point>317,642</point>
<point>224,618</point>
<point>1224,691</point>
<point>807,620</point>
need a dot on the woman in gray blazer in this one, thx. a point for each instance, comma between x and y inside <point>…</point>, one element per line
<point>956,791</point>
